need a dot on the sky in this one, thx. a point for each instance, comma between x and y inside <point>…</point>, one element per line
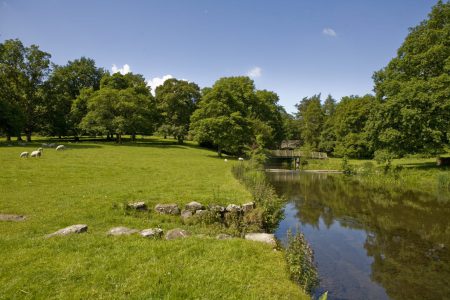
<point>295,48</point>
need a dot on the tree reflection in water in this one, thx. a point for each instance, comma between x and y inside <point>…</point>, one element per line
<point>405,236</point>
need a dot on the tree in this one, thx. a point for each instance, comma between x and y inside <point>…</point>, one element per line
<point>176,101</point>
<point>36,70</point>
<point>123,104</point>
<point>219,120</point>
<point>12,117</point>
<point>267,111</point>
<point>413,91</point>
<point>63,87</point>
<point>311,117</point>
<point>329,106</point>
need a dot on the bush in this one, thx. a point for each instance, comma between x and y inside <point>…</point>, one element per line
<point>300,260</point>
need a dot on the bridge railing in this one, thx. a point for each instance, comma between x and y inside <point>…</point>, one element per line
<point>298,153</point>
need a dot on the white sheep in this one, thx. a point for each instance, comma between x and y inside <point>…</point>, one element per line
<point>60,147</point>
<point>36,153</point>
<point>225,160</point>
<point>240,159</point>
<point>24,154</point>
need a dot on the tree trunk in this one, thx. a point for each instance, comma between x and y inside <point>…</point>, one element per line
<point>8,138</point>
<point>19,138</point>
<point>133,137</point>
<point>59,136</point>
<point>29,137</point>
<point>119,138</point>
<point>165,136</point>
<point>219,151</point>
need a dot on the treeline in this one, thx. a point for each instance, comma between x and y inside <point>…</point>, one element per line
<point>409,113</point>
<point>80,98</point>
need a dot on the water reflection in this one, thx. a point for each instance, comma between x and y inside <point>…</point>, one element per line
<point>369,244</point>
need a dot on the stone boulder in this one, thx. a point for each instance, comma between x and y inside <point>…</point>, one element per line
<point>12,218</point>
<point>246,207</point>
<point>121,231</point>
<point>201,213</point>
<point>233,208</point>
<point>186,214</point>
<point>194,206</point>
<point>216,208</point>
<point>155,233</point>
<point>262,237</point>
<point>223,236</point>
<point>79,228</point>
<point>167,209</point>
<point>138,205</point>
<point>176,234</point>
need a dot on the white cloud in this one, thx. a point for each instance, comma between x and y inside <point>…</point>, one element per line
<point>329,32</point>
<point>124,70</point>
<point>255,72</point>
<point>157,81</point>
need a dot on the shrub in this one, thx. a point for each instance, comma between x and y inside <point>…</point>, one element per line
<point>300,260</point>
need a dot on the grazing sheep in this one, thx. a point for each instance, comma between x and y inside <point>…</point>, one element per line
<point>240,159</point>
<point>225,160</point>
<point>24,154</point>
<point>37,153</point>
<point>60,147</point>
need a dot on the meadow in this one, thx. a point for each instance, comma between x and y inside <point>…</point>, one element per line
<point>408,173</point>
<point>90,183</point>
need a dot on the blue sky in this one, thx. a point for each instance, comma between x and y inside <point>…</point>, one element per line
<point>295,48</point>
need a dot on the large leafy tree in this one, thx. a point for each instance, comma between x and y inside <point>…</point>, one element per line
<point>176,101</point>
<point>23,71</point>
<point>123,105</point>
<point>12,53</point>
<point>221,116</point>
<point>63,87</point>
<point>413,90</point>
<point>344,131</point>
<point>311,118</point>
<point>233,116</point>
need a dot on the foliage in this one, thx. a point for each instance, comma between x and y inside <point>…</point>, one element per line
<point>176,101</point>
<point>300,260</point>
<point>263,195</point>
<point>231,115</point>
<point>63,87</point>
<point>311,117</point>
<point>413,90</point>
<point>23,71</point>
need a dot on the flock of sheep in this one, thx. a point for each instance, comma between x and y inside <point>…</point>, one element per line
<point>38,152</point>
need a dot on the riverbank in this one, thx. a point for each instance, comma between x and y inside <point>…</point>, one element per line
<point>418,174</point>
<point>90,183</point>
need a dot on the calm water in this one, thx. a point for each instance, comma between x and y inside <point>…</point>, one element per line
<point>369,244</point>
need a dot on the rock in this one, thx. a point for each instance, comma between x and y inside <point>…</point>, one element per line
<point>262,237</point>
<point>248,206</point>
<point>201,212</point>
<point>233,208</point>
<point>79,228</point>
<point>12,218</point>
<point>121,231</point>
<point>216,208</point>
<point>167,209</point>
<point>186,214</point>
<point>193,206</point>
<point>176,234</point>
<point>223,236</point>
<point>155,233</point>
<point>138,205</point>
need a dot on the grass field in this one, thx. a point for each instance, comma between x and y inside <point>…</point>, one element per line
<point>420,174</point>
<point>89,184</point>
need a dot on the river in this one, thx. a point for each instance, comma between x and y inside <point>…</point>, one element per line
<point>369,243</point>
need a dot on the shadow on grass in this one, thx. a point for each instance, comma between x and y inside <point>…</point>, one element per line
<point>424,166</point>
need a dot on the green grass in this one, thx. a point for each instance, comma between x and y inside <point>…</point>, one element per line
<point>88,184</point>
<point>421,174</point>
